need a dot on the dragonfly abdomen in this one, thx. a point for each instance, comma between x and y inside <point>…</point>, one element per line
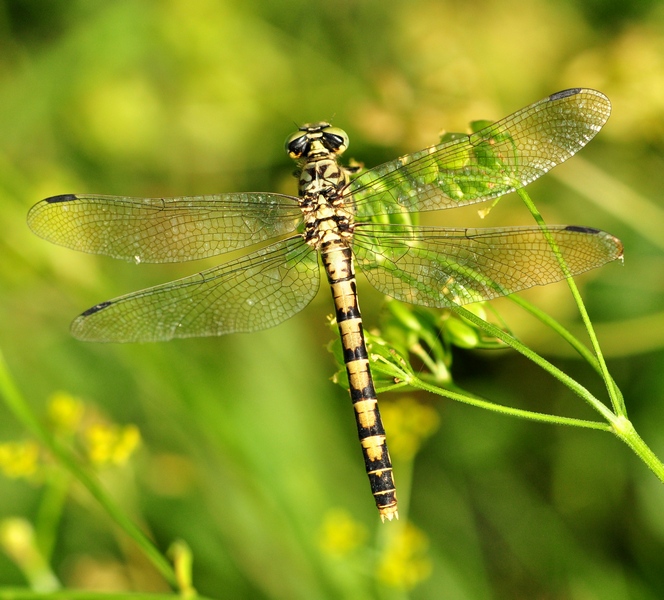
<point>337,260</point>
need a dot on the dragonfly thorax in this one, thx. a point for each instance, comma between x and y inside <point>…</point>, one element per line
<point>322,182</point>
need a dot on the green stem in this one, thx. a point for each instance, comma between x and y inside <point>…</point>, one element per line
<point>617,401</point>
<point>379,364</point>
<point>507,410</point>
<point>21,410</point>
<point>564,333</point>
<point>550,322</point>
<point>511,341</point>
<point>623,428</point>
<point>618,425</point>
<point>391,388</point>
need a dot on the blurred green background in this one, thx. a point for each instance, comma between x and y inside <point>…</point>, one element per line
<point>248,451</point>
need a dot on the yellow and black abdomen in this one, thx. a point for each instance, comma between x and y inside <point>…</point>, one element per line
<point>337,260</point>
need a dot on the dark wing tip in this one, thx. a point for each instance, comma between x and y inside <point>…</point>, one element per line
<point>599,97</point>
<point>611,240</point>
<point>61,198</point>
<point>94,309</point>
<point>565,93</point>
<point>40,212</point>
<point>582,229</point>
<point>78,325</point>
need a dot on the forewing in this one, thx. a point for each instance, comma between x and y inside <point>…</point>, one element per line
<point>440,267</point>
<point>493,161</point>
<point>163,229</point>
<point>255,292</point>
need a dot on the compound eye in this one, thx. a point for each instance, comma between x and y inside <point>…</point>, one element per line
<point>335,139</point>
<point>296,144</point>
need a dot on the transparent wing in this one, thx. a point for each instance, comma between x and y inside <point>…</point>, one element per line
<point>440,267</point>
<point>254,292</point>
<point>493,161</point>
<point>163,229</point>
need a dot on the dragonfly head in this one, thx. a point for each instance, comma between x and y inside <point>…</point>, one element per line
<point>316,139</point>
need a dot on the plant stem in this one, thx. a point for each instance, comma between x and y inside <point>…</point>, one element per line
<point>379,364</point>
<point>22,411</point>
<point>564,333</point>
<point>511,341</point>
<point>617,401</point>
<point>507,410</point>
<point>623,428</point>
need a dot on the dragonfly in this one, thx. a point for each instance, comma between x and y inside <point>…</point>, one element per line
<point>341,219</point>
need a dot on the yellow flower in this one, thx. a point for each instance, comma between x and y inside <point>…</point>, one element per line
<point>111,444</point>
<point>340,533</point>
<point>65,412</point>
<point>19,459</point>
<point>405,562</point>
<point>408,423</point>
